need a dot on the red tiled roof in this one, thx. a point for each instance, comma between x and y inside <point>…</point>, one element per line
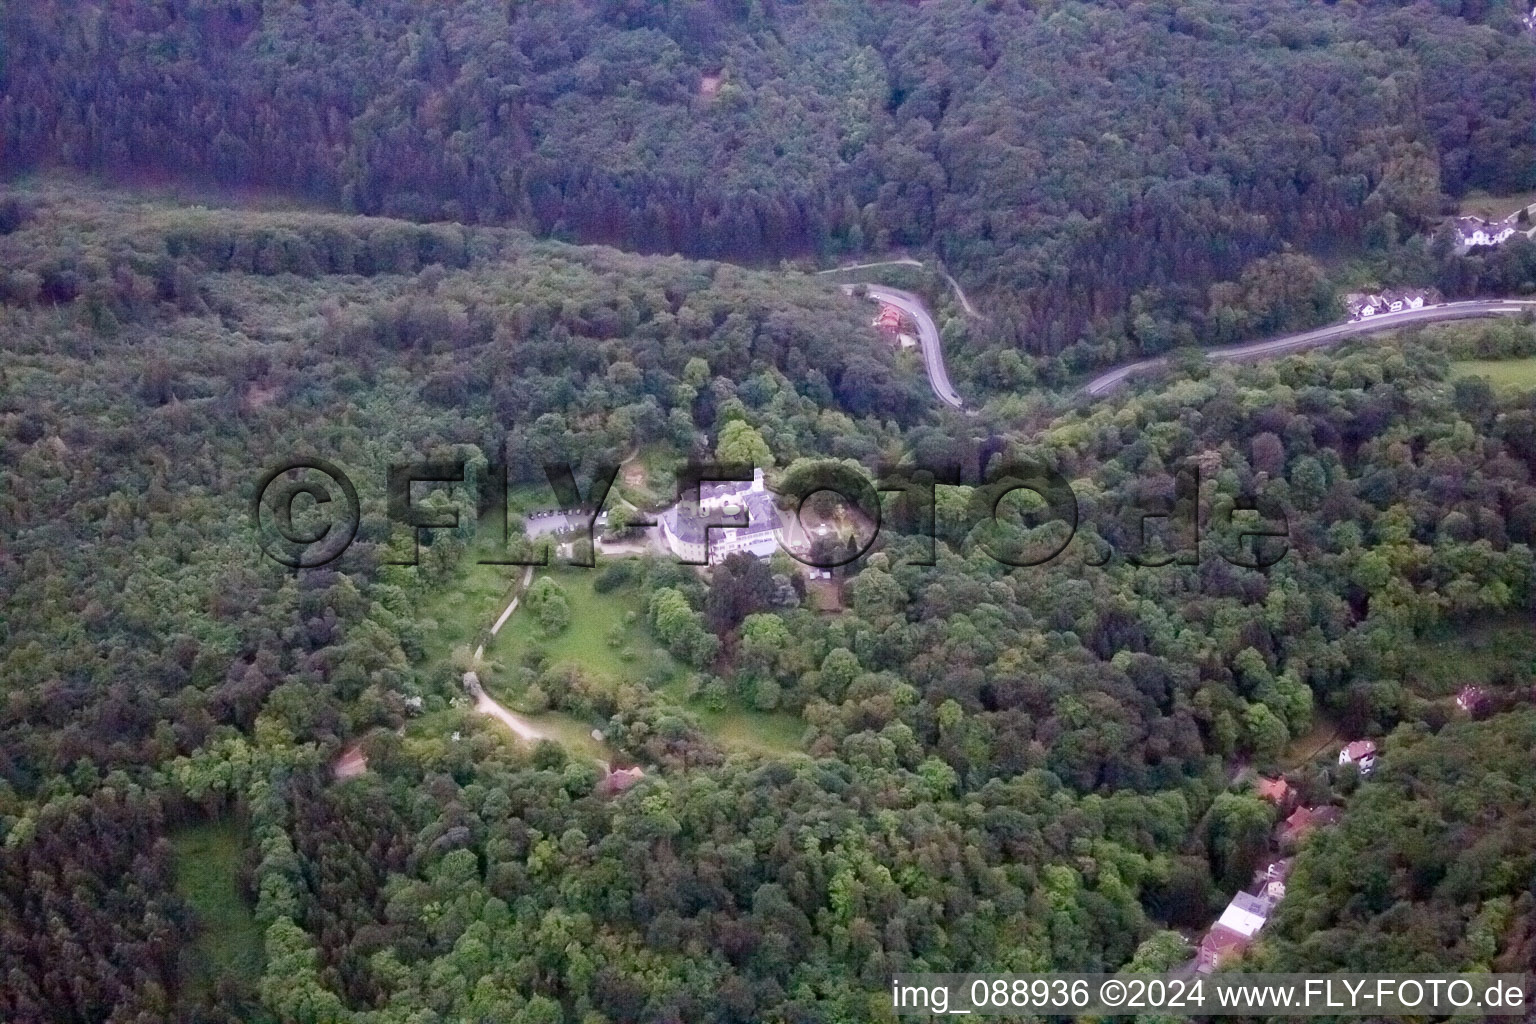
<point>1360,749</point>
<point>621,779</point>
<point>1222,942</point>
<point>1274,790</point>
<point>1305,819</point>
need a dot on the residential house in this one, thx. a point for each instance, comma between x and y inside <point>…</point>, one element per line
<point>1417,298</point>
<point>1244,917</point>
<point>1269,880</point>
<point>890,320</point>
<point>1274,871</point>
<point>1233,932</point>
<point>1361,753</point>
<point>1277,791</point>
<point>1305,820</point>
<point>1219,945</point>
<point>619,780</point>
<point>1474,231</point>
<point>1363,305</point>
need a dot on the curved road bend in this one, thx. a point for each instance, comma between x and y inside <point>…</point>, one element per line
<point>927,336</point>
<point>1109,381</point>
<point>965,302</point>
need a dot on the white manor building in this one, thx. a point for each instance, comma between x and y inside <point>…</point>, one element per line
<point>688,528</point>
<point>1474,231</point>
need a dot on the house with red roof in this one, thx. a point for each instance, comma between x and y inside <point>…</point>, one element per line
<point>1220,945</point>
<point>1361,753</point>
<point>1277,791</point>
<point>619,780</point>
<point>1305,820</point>
<point>891,320</point>
<point>1233,932</point>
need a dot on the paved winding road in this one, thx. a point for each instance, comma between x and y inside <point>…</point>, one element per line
<point>927,337</point>
<point>1331,335</point>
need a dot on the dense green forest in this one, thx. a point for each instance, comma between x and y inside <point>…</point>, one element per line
<point>1112,176</point>
<point>1432,868</point>
<point>1000,768</point>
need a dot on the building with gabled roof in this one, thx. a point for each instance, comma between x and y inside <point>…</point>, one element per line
<point>1361,753</point>
<point>1275,871</point>
<point>1245,914</point>
<point>1269,881</point>
<point>619,780</point>
<point>1364,305</point>
<point>1219,946</point>
<point>1233,932</point>
<point>890,319</point>
<point>1304,820</point>
<point>1474,231</point>
<point>695,533</point>
<point>1277,791</point>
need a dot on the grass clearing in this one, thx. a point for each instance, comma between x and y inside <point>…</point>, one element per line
<point>1504,374</point>
<point>585,643</point>
<point>207,869</point>
<point>1481,204</point>
<point>1490,653</point>
<point>739,727</point>
<point>573,734</point>
<point>763,732</point>
<point>1306,747</point>
<point>649,478</point>
<point>607,639</point>
<point>461,608</point>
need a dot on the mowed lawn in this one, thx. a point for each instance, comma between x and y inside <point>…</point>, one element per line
<point>738,728</point>
<point>1505,374</point>
<point>207,866</point>
<point>1481,204</point>
<point>463,608</point>
<point>585,642</point>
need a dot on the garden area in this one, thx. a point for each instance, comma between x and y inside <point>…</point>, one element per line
<point>228,943</point>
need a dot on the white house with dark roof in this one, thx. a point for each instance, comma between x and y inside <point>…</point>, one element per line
<point>686,527</point>
<point>1474,231</point>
